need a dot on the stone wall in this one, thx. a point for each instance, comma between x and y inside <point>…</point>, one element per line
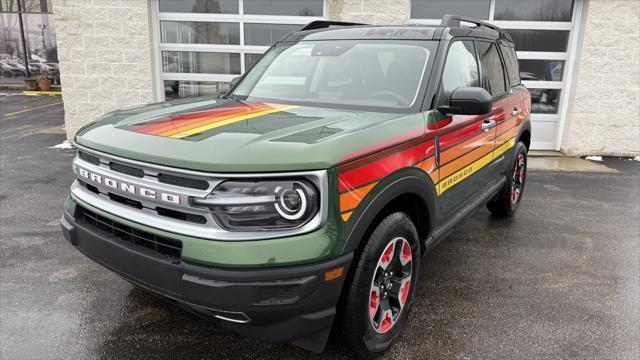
<point>369,11</point>
<point>105,57</point>
<point>604,109</point>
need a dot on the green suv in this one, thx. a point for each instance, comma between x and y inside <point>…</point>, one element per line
<point>302,201</point>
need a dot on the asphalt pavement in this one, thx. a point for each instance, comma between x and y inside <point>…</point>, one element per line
<point>560,280</point>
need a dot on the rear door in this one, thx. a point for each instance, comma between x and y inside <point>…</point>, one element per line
<point>464,141</point>
<point>507,105</point>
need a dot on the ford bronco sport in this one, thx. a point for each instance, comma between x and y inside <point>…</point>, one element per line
<point>303,200</point>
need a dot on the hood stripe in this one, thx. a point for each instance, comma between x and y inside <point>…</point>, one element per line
<point>191,124</point>
<point>232,120</point>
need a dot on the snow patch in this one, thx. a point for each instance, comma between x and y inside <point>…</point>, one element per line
<point>65,145</point>
<point>637,158</point>
<point>594,158</point>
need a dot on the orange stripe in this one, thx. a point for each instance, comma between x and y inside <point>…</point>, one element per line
<point>346,216</point>
<point>212,120</point>
<point>464,160</point>
<point>464,147</point>
<point>351,199</point>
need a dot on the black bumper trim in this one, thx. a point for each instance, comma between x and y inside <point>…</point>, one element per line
<point>287,304</point>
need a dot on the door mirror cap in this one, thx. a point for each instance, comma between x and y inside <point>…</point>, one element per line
<point>232,84</point>
<point>468,101</point>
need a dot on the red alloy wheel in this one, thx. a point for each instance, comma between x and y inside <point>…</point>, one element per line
<point>390,285</point>
<point>517,183</point>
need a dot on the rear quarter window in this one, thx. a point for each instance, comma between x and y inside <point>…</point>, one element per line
<point>511,63</point>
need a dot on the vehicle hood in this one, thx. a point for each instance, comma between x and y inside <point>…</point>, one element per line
<point>218,135</point>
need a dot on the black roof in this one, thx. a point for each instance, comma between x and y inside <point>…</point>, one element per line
<point>450,27</point>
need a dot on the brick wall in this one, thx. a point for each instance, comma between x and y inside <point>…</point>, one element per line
<point>369,11</point>
<point>604,110</point>
<point>105,57</point>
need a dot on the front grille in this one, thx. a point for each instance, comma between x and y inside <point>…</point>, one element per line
<point>179,215</point>
<point>89,158</point>
<point>143,241</point>
<point>125,201</point>
<point>126,169</point>
<point>183,181</point>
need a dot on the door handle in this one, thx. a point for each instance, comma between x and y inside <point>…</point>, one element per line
<point>516,112</point>
<point>488,125</point>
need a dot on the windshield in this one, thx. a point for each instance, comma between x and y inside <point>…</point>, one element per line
<point>379,74</point>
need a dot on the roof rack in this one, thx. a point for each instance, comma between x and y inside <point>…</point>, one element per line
<point>322,24</point>
<point>455,20</point>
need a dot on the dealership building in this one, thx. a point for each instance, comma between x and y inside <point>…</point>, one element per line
<point>579,58</point>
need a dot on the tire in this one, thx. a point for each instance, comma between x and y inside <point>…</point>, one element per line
<point>367,327</point>
<point>508,199</point>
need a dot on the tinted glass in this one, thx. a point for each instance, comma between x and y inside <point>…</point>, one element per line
<point>534,10</point>
<point>379,74</point>
<point>284,7</point>
<point>250,59</point>
<point>188,32</point>
<point>200,6</point>
<point>28,6</point>
<point>266,34</point>
<point>435,9</point>
<point>545,70</point>
<point>174,89</point>
<point>461,68</point>
<point>492,74</point>
<point>540,40</point>
<point>200,62</point>
<point>544,101</point>
<point>511,64</point>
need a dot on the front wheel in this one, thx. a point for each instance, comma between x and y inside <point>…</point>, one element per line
<point>506,202</point>
<point>380,294</point>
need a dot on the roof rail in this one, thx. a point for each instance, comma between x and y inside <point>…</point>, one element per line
<point>454,21</point>
<point>322,24</point>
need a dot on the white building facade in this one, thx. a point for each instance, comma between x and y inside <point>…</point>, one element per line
<point>579,58</point>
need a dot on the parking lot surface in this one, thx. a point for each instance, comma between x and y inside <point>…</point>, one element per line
<point>560,280</point>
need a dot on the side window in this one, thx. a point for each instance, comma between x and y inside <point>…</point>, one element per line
<point>461,68</point>
<point>511,62</point>
<point>492,73</point>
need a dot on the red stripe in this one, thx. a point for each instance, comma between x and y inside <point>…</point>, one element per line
<point>383,167</point>
<point>461,134</point>
<point>194,118</point>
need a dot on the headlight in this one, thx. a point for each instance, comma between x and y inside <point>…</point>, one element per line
<point>262,205</point>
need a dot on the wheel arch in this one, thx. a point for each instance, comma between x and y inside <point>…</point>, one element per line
<point>410,191</point>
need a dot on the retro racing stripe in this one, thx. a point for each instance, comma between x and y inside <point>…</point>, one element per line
<point>472,168</point>
<point>193,124</point>
<point>462,159</point>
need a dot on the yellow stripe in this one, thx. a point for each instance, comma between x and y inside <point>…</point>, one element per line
<point>467,171</point>
<point>202,128</point>
<point>346,216</point>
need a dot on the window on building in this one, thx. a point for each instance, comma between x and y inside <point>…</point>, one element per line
<point>200,6</point>
<point>533,10</point>
<point>284,7</point>
<point>36,53</point>
<point>492,73</point>
<point>435,9</point>
<point>204,44</point>
<point>460,69</point>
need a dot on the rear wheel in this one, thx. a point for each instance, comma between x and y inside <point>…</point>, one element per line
<point>506,202</point>
<point>379,296</point>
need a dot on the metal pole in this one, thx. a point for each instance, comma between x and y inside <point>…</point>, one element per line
<point>24,41</point>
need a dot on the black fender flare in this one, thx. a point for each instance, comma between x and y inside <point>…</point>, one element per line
<point>407,181</point>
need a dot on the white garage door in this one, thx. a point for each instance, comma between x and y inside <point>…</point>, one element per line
<point>204,44</point>
<point>543,32</point>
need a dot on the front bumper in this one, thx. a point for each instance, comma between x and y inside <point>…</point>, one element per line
<point>285,304</point>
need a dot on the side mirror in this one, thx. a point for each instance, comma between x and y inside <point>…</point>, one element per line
<point>468,101</point>
<point>232,84</point>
